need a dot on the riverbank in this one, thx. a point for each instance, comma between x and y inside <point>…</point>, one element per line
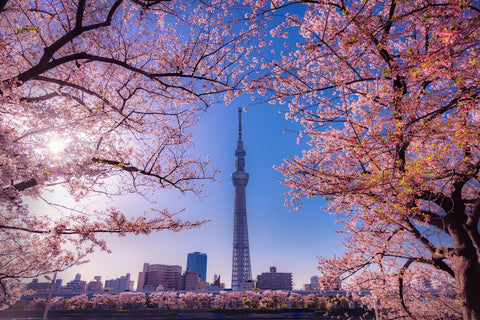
<point>178,314</point>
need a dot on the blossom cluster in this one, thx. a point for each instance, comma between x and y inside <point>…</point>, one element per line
<point>169,300</point>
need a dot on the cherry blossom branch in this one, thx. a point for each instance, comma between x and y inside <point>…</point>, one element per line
<point>390,19</point>
<point>438,198</point>
<point>149,3</point>
<point>428,117</point>
<point>114,223</point>
<point>427,243</point>
<point>44,64</point>
<point>400,284</point>
<point>27,75</point>
<point>71,85</point>
<point>162,179</point>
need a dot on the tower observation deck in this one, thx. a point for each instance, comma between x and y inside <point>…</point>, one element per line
<point>241,267</point>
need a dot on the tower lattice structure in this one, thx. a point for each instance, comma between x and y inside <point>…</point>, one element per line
<point>241,267</point>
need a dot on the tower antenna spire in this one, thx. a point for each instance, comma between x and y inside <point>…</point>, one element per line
<point>239,124</point>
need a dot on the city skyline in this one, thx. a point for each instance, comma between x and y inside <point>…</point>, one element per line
<point>289,240</point>
<point>272,278</point>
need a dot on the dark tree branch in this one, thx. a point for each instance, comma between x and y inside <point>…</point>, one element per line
<point>45,61</point>
<point>149,3</point>
<point>79,16</point>
<point>133,169</point>
<point>74,231</point>
<point>389,23</point>
<point>401,286</point>
<point>3,3</point>
<point>72,85</point>
<point>439,199</point>
<point>24,185</point>
<point>440,111</point>
<point>471,226</point>
<point>426,243</point>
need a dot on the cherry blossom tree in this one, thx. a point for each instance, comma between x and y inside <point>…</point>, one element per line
<point>99,97</point>
<point>314,302</point>
<point>231,299</point>
<point>164,300</point>
<point>204,300</point>
<point>131,300</point>
<point>37,304</point>
<point>387,94</point>
<point>80,302</point>
<point>188,300</point>
<point>273,299</point>
<point>296,299</point>
<point>104,301</point>
<point>235,299</point>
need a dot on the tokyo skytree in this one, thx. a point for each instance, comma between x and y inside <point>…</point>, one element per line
<point>241,268</point>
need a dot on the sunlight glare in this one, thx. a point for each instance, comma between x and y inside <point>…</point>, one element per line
<point>56,146</point>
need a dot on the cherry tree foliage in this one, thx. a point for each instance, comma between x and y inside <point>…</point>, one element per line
<point>387,94</point>
<point>80,302</point>
<point>99,97</point>
<point>164,300</point>
<point>131,300</point>
<point>171,300</point>
<point>104,301</point>
<point>297,300</point>
<point>273,299</point>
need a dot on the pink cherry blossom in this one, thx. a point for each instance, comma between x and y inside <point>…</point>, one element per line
<point>387,96</point>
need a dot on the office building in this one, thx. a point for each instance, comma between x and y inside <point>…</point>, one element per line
<point>76,285</point>
<point>274,280</point>
<point>191,281</point>
<point>197,262</point>
<point>124,283</point>
<point>159,277</point>
<point>95,285</point>
<point>39,287</point>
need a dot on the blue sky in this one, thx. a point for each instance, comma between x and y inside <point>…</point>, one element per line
<point>291,241</point>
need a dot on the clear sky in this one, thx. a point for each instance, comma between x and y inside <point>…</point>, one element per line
<point>291,241</point>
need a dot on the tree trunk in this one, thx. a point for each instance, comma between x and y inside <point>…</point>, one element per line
<point>467,274</point>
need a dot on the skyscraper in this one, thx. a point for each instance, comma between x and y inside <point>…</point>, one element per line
<point>241,268</point>
<point>197,262</point>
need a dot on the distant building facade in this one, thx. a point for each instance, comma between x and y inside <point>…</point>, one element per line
<point>39,287</point>
<point>197,262</point>
<point>217,283</point>
<point>159,277</point>
<point>191,281</point>
<point>76,285</point>
<point>274,280</point>
<point>95,285</point>
<point>314,283</point>
<point>119,284</point>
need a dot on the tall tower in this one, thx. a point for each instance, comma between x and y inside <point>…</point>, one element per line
<point>241,268</point>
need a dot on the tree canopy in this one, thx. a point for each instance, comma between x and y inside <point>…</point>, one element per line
<point>95,94</point>
<point>388,95</point>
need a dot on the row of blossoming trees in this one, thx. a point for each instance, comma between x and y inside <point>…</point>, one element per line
<point>270,299</point>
